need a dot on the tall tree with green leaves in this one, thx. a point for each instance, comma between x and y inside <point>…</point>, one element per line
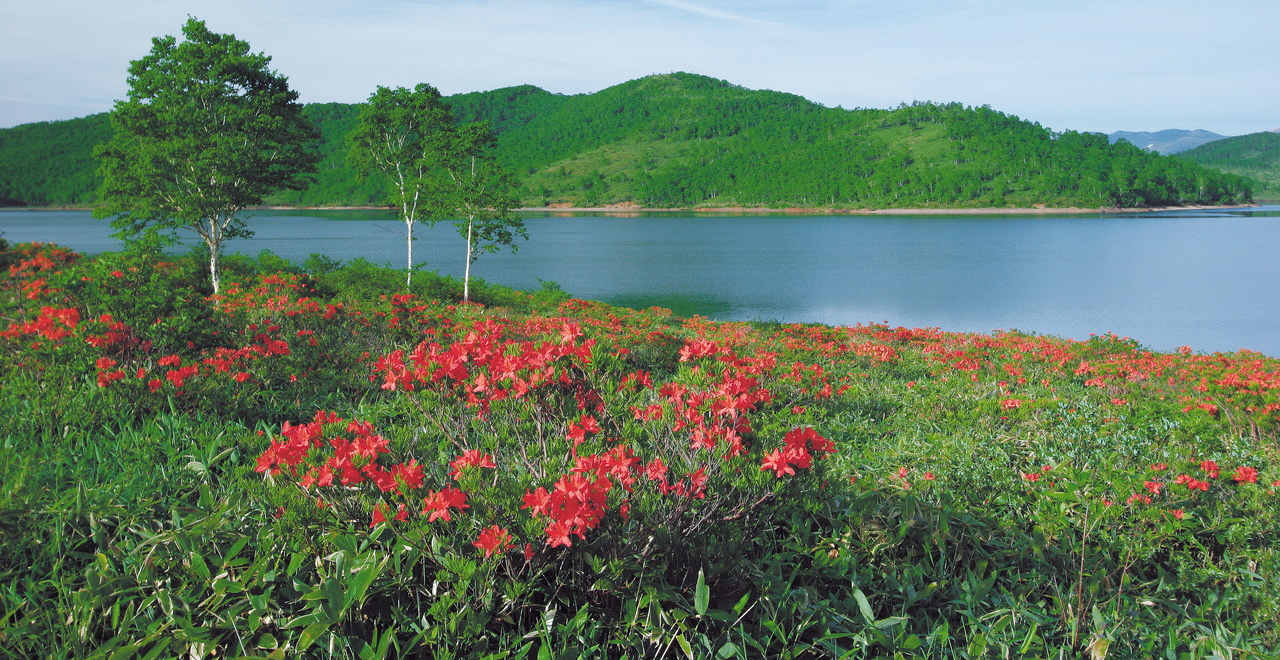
<point>401,134</point>
<point>473,188</point>
<point>206,131</point>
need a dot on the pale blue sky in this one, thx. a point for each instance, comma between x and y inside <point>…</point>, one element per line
<point>1089,65</point>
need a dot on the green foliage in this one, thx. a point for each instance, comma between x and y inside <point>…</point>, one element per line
<point>470,186</point>
<point>50,163</point>
<point>683,140</point>
<point>1256,156</point>
<point>206,131</point>
<point>163,489</point>
<point>402,134</point>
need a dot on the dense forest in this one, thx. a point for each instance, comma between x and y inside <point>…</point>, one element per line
<point>1256,156</point>
<point>50,163</point>
<point>683,140</point>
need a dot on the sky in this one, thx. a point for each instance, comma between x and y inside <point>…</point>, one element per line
<point>1085,65</point>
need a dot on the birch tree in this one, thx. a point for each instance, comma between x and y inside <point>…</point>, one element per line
<point>400,134</point>
<point>206,131</point>
<point>474,189</point>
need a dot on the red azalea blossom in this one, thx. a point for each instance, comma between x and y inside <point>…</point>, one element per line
<point>776,460</point>
<point>470,458</point>
<point>494,539</point>
<point>438,503</point>
<point>1246,475</point>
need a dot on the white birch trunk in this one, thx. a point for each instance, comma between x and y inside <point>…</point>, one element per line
<point>466,274</point>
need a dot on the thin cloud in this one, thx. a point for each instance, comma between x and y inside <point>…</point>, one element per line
<point>713,13</point>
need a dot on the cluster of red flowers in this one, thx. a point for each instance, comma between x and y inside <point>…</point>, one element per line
<point>494,362</point>
<point>52,323</point>
<point>796,452</point>
<point>484,367</point>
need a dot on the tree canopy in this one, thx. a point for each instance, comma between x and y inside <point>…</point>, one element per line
<point>472,187</point>
<point>207,130</point>
<point>400,134</point>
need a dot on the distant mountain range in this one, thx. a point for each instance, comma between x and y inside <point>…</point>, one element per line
<point>1169,141</point>
<point>688,141</point>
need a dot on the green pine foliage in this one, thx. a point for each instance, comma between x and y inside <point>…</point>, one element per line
<point>1256,156</point>
<point>687,141</point>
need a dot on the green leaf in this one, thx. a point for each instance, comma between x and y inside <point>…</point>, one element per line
<point>701,595</point>
<point>310,635</point>
<point>684,646</point>
<point>364,576</point>
<point>863,604</point>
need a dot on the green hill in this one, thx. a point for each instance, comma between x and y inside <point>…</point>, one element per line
<point>49,163</point>
<point>684,140</point>
<point>1256,156</point>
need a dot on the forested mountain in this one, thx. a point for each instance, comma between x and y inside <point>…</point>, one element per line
<point>1169,141</point>
<point>49,163</point>
<point>1256,155</point>
<point>683,140</point>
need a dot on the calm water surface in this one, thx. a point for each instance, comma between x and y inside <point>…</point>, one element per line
<point>1207,279</point>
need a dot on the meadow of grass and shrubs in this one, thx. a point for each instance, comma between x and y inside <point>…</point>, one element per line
<point>319,463</point>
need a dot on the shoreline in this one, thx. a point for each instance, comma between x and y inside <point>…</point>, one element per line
<point>993,210</point>
<point>627,208</point>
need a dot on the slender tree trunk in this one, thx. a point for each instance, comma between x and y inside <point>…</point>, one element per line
<point>215,266</point>
<point>408,240</point>
<point>212,235</point>
<point>466,275</point>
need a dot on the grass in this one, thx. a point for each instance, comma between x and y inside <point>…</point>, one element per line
<point>537,476</point>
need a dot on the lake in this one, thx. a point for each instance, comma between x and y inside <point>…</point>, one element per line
<point>1207,279</point>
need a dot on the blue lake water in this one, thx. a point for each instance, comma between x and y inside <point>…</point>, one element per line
<point>1207,279</point>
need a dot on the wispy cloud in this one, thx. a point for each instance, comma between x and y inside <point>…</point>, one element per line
<point>713,12</point>
<point>1084,64</point>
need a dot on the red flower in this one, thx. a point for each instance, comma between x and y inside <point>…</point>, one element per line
<point>1246,475</point>
<point>470,458</point>
<point>438,503</point>
<point>494,539</point>
<point>538,502</point>
<point>378,516</point>
<point>776,460</point>
<point>409,474</point>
